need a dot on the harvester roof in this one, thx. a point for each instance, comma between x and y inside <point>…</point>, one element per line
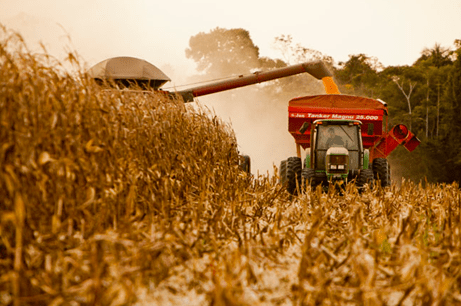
<point>126,70</point>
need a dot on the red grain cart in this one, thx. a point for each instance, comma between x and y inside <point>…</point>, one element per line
<point>366,121</point>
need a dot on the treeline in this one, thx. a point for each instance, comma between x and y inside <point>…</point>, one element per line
<point>425,96</point>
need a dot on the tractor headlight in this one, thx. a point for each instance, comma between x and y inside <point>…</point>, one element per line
<point>333,167</point>
<point>341,167</point>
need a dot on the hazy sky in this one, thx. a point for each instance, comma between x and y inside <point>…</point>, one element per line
<point>394,31</point>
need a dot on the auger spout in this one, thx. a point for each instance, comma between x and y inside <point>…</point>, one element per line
<point>317,69</point>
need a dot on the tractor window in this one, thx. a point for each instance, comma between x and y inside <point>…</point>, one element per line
<point>337,136</point>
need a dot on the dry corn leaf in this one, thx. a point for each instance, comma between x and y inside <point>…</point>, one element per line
<point>90,195</point>
<point>90,148</point>
<point>44,158</point>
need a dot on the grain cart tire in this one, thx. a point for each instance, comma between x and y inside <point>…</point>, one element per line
<point>283,172</point>
<point>365,177</point>
<point>308,176</point>
<point>294,167</point>
<point>382,171</point>
<point>245,163</point>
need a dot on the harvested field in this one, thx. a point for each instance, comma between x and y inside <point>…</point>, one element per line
<point>122,198</point>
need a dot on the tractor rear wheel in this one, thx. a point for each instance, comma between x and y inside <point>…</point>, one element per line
<point>294,167</point>
<point>381,171</point>
<point>365,177</point>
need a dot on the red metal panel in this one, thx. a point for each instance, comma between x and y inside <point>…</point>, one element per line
<point>311,108</point>
<point>398,135</point>
<point>369,111</point>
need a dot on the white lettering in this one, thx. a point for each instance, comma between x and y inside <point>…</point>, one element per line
<point>335,116</point>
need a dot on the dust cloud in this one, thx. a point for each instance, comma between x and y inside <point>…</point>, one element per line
<point>258,115</point>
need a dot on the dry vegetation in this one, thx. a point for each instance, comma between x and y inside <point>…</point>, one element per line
<point>118,198</point>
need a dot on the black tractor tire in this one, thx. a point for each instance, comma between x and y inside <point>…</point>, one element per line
<point>283,172</point>
<point>308,176</point>
<point>293,174</point>
<point>382,171</point>
<point>245,163</point>
<point>365,177</point>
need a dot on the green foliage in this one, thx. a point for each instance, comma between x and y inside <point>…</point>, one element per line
<point>425,96</point>
<point>358,76</point>
<point>437,57</point>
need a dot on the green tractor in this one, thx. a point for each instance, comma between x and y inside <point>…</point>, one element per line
<point>336,156</point>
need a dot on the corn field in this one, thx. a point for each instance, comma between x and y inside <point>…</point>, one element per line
<point>131,198</point>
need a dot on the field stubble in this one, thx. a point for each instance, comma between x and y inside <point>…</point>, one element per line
<point>115,198</point>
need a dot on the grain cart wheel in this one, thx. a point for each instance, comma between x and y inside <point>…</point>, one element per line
<point>294,167</point>
<point>245,163</point>
<point>308,176</point>
<point>382,171</point>
<point>365,177</point>
<point>283,172</point>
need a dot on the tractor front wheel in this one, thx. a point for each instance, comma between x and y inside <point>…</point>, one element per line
<point>294,167</point>
<point>290,174</point>
<point>365,177</point>
<point>308,176</point>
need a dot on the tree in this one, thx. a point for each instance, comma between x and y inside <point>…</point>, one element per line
<point>295,53</point>
<point>411,86</point>
<point>428,95</point>
<point>223,52</point>
<point>438,56</point>
<point>453,94</point>
<point>359,74</point>
<point>299,85</point>
<point>435,64</point>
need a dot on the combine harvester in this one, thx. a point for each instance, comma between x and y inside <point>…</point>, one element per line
<point>346,138</point>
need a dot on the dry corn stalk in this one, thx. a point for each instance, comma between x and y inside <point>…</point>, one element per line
<point>120,197</point>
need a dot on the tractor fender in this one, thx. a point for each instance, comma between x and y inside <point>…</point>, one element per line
<point>366,159</point>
